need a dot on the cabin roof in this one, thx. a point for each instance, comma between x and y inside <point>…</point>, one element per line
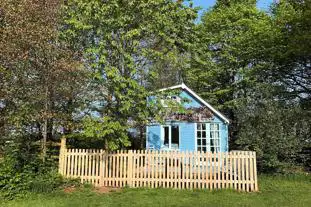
<point>191,92</point>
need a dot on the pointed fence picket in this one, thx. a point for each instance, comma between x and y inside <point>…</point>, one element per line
<point>167,169</point>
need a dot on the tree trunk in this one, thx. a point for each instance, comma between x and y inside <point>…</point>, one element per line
<point>106,145</point>
<point>44,139</point>
<point>141,135</point>
<point>45,125</point>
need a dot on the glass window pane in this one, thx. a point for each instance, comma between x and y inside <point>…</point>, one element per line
<point>212,135</point>
<point>204,126</point>
<point>199,148</point>
<point>199,134</point>
<point>216,134</point>
<point>199,127</point>
<point>175,135</point>
<point>212,143</point>
<point>204,134</point>
<point>212,126</point>
<point>199,141</point>
<point>203,141</point>
<point>166,135</point>
<point>216,142</point>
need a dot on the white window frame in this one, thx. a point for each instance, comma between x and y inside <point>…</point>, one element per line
<point>169,136</point>
<point>208,136</point>
<point>214,138</point>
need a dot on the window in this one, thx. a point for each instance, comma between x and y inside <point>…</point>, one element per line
<point>176,98</point>
<point>170,135</point>
<point>214,137</point>
<point>165,101</point>
<point>208,137</point>
<point>202,143</point>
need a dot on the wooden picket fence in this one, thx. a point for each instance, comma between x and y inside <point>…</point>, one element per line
<point>167,169</point>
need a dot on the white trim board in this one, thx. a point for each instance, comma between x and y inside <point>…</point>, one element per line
<point>184,87</point>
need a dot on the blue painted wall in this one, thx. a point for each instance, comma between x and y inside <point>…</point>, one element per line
<point>187,130</point>
<point>153,137</point>
<point>191,101</point>
<point>187,136</point>
<point>224,142</point>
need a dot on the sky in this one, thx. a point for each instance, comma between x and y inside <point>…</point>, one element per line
<point>262,4</point>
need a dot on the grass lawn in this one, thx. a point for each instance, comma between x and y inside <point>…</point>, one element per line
<point>274,191</point>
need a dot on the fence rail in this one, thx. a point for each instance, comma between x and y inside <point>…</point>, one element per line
<point>168,169</point>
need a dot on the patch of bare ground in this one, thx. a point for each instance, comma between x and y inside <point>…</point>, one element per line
<point>70,189</point>
<point>99,190</point>
<point>102,190</point>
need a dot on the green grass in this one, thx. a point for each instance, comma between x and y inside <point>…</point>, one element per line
<point>274,191</point>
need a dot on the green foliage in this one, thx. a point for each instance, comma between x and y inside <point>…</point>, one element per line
<point>275,133</point>
<point>227,52</point>
<point>40,73</point>
<point>19,184</point>
<point>253,66</point>
<point>114,133</point>
<point>22,171</point>
<point>121,43</point>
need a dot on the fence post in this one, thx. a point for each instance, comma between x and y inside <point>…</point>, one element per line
<point>62,153</point>
<point>101,167</point>
<point>255,172</point>
<point>130,168</point>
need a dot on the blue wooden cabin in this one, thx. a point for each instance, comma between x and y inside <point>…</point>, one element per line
<point>206,130</point>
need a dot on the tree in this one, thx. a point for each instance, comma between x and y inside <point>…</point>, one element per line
<point>275,130</point>
<point>248,63</point>
<point>227,53</point>
<point>122,41</point>
<point>39,72</point>
<point>293,60</point>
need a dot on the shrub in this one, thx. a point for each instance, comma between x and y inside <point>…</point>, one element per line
<point>277,134</point>
<point>22,170</point>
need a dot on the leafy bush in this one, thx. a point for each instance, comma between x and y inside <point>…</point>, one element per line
<point>277,135</point>
<point>50,181</point>
<point>22,170</point>
<point>14,185</point>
